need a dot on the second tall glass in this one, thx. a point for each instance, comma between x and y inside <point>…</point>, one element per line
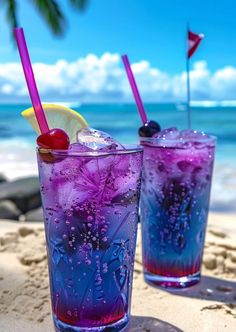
<point>174,208</point>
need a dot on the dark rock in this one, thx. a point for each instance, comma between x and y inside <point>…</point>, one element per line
<point>9,210</point>
<point>3,178</point>
<point>34,215</point>
<point>23,192</point>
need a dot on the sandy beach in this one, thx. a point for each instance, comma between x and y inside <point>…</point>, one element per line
<point>209,306</point>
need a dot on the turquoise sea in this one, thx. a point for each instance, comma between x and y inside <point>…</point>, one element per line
<point>121,121</point>
<point>17,139</point>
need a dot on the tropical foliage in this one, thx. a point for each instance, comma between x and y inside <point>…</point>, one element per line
<point>50,10</point>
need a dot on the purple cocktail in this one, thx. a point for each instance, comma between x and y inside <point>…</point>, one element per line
<point>90,199</point>
<point>175,194</point>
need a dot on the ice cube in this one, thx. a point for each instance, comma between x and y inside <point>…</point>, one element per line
<point>168,137</point>
<point>192,134</point>
<point>96,140</point>
<point>169,133</point>
<point>77,147</point>
<point>194,138</point>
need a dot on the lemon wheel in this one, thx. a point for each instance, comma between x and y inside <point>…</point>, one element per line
<point>58,116</point>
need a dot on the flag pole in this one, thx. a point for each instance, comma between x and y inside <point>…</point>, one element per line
<point>188,83</point>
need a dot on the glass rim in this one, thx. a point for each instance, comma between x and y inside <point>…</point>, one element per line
<point>129,149</point>
<point>203,139</point>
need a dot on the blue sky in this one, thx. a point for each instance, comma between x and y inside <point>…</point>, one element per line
<point>149,30</point>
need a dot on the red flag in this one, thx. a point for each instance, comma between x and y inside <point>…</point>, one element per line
<point>193,42</point>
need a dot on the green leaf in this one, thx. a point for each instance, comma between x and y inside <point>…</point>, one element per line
<point>52,14</point>
<point>11,12</point>
<point>49,10</point>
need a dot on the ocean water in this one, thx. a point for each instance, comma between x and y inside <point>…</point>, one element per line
<point>17,138</point>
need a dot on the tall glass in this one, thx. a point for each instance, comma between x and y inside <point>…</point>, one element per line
<point>175,196</point>
<point>90,203</point>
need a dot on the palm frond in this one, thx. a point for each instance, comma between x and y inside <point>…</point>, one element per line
<point>49,10</point>
<point>79,4</point>
<point>52,14</point>
<point>11,12</point>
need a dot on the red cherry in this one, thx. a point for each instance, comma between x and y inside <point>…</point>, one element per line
<point>55,139</point>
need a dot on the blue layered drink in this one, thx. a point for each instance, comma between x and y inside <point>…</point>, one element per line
<point>90,200</point>
<point>176,183</point>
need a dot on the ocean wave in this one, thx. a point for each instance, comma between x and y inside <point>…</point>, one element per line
<point>211,103</point>
<point>18,158</point>
<point>67,104</point>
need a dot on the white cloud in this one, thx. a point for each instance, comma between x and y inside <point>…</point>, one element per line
<point>94,79</point>
<point>223,83</point>
<point>7,89</point>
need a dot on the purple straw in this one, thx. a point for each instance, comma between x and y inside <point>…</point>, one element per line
<point>30,80</point>
<point>134,88</point>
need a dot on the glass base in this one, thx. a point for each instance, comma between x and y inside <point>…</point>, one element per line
<point>120,326</point>
<point>172,282</point>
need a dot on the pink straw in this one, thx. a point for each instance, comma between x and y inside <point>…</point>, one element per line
<point>134,88</point>
<point>30,80</point>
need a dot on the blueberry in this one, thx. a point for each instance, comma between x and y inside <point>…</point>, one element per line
<point>149,129</point>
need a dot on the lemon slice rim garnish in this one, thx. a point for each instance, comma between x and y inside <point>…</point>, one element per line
<point>70,116</point>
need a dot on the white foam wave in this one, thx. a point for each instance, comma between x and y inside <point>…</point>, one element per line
<point>18,159</point>
<point>228,103</point>
<point>205,103</point>
<point>69,104</point>
<point>213,103</point>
